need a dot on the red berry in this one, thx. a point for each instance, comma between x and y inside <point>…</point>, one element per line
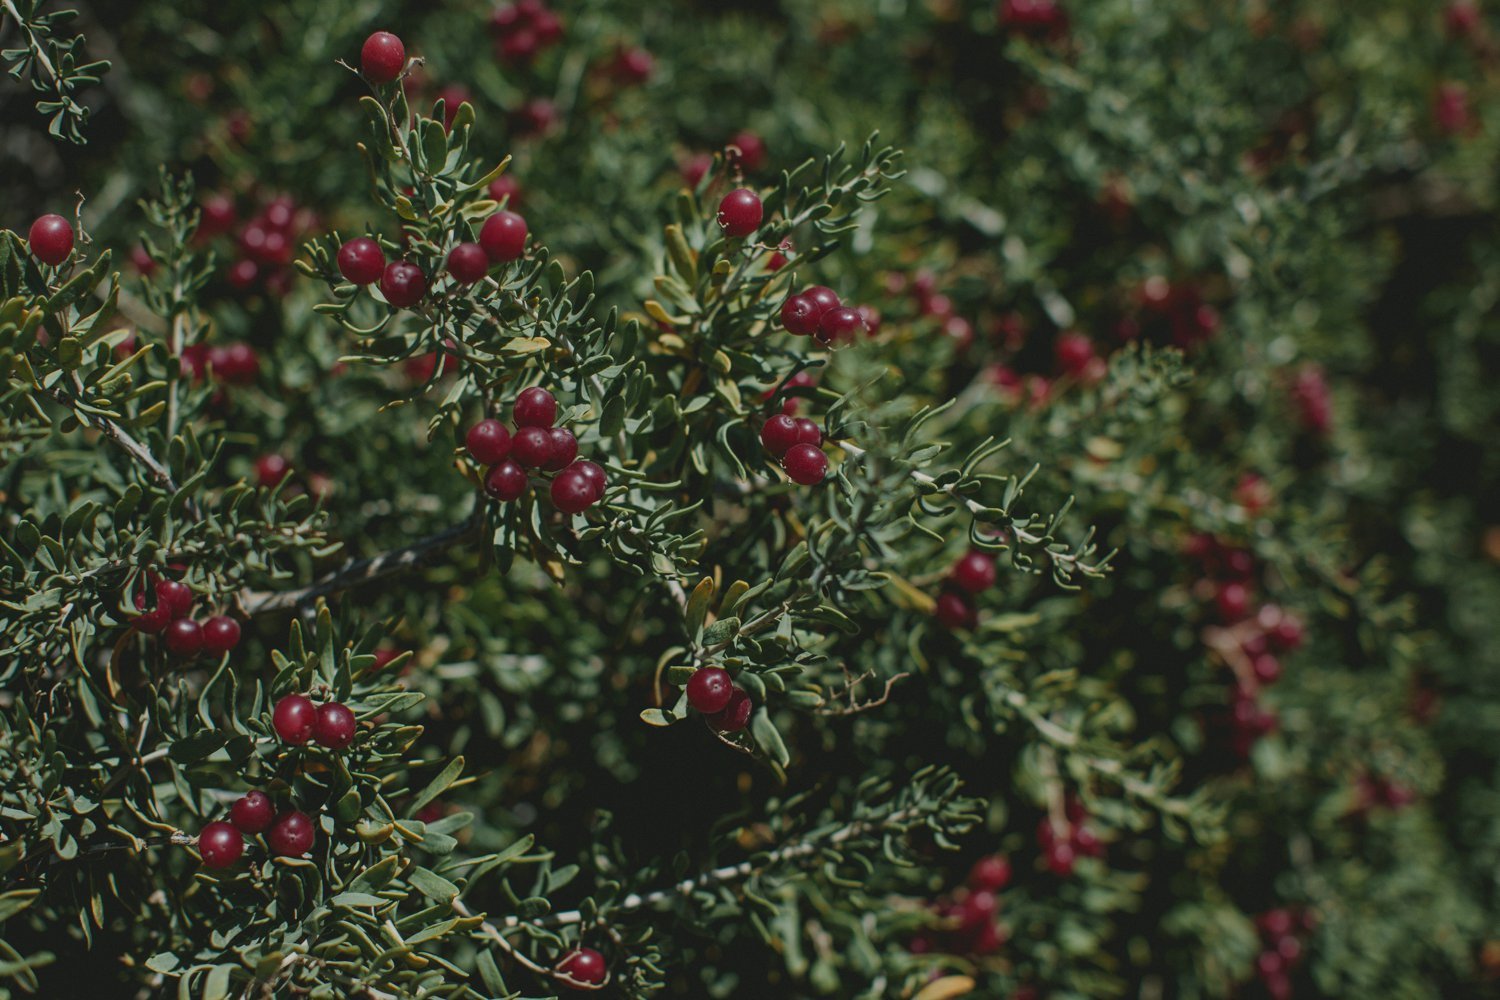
<point>1060,858</point>
<point>799,315</point>
<point>1074,352</point>
<point>503,236</point>
<point>695,168</point>
<point>978,908</point>
<point>975,572</point>
<point>584,965</point>
<point>992,873</point>
<point>534,407</point>
<point>295,719</point>
<point>271,469</point>
<point>823,298</point>
<point>1233,601</point>
<point>870,316</point>
<point>235,364</point>
<point>220,845</point>
<point>251,812</point>
<point>779,433</point>
<point>634,65</point>
<point>838,324</point>
<point>1087,842</point>
<point>709,690</point>
<point>403,284</point>
<point>532,446</point>
<point>594,473</point>
<point>488,442</point>
<point>184,637</point>
<point>572,492</point>
<point>176,597</point>
<point>954,610</point>
<point>740,213</point>
<point>1286,633</point>
<point>752,149</point>
<point>51,239</point>
<point>505,188</point>
<point>291,835</point>
<point>735,715</point>
<point>468,262</point>
<point>221,634</point>
<point>990,939</point>
<point>808,432</point>
<point>382,58</point>
<point>1462,18</point>
<point>506,481</point>
<point>1275,923</point>
<point>218,215</point>
<point>805,464</point>
<point>334,727</point>
<point>564,449</point>
<point>150,622</point>
<point>1267,668</point>
<point>242,273</point>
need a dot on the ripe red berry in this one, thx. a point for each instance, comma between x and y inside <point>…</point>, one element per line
<point>584,965</point>
<point>534,407</point>
<point>176,597</point>
<point>295,719</point>
<point>468,262</point>
<point>740,212</point>
<point>51,239</point>
<point>235,364</point>
<point>152,621</point>
<point>633,66</point>
<point>838,324</point>
<point>1286,633</point>
<point>506,481</point>
<point>992,873</point>
<point>1233,601</point>
<point>977,909</point>
<point>572,492</point>
<point>805,464</point>
<point>221,634</point>
<point>251,812</point>
<point>403,284</point>
<point>184,637</point>
<point>291,835</point>
<point>382,58</point>
<point>779,433</point>
<point>709,690</point>
<point>594,473</point>
<point>503,236</point>
<point>1074,352</point>
<point>799,315</point>
<point>975,572</point>
<point>1462,18</point>
<point>488,442</point>
<point>1060,858</point>
<point>954,610</point>
<point>242,273</point>
<point>735,715</point>
<point>1086,842</point>
<point>218,215</point>
<point>1267,668</point>
<point>334,727</point>
<point>564,449</point>
<point>532,446</point>
<point>752,149</point>
<point>506,189</point>
<point>271,469</point>
<point>808,432</point>
<point>220,845</point>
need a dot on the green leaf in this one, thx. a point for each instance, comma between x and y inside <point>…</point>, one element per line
<point>438,785</point>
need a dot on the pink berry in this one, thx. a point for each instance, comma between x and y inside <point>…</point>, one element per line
<point>740,213</point>
<point>382,58</point>
<point>51,239</point>
<point>488,442</point>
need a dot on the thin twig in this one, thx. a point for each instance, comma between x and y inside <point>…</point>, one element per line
<point>119,436</point>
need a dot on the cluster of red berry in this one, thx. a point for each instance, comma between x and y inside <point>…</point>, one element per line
<point>818,312</point>
<point>234,364</point>
<point>298,721</point>
<point>973,574</point>
<point>1170,313</point>
<point>266,242</point>
<point>712,692</point>
<point>791,404</point>
<point>523,29</point>
<point>168,617</point>
<point>1281,933</point>
<point>1372,792</point>
<point>535,445</point>
<point>970,916</point>
<point>502,238</point>
<point>1064,843</point>
<point>1038,18</point>
<point>289,834</point>
<point>933,304</point>
<point>797,443</point>
<point>50,239</point>
<point>631,66</point>
<point>272,469</point>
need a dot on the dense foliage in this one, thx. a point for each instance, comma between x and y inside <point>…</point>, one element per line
<point>1117,620</point>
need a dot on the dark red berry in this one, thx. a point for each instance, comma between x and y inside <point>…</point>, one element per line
<point>1233,601</point>
<point>978,908</point>
<point>503,236</point>
<point>403,284</point>
<point>1074,352</point>
<point>221,633</point>
<point>176,597</point>
<point>218,215</point>
<point>532,446</point>
<point>468,262</point>
<point>823,298</point>
<point>594,473</point>
<point>709,690</point>
<point>808,432</point>
<point>572,492</point>
<point>50,239</point>
<point>779,433</point>
<point>506,481</point>
<point>564,449</point>
<point>735,715</point>
<point>584,965</point>
<point>805,464</point>
<point>838,324</point>
<point>975,572</point>
<point>992,873</point>
<point>235,364</point>
<point>752,149</point>
<point>534,407</point>
<point>1267,668</point>
<point>1086,842</point>
<point>1060,858</point>
<point>382,58</point>
<point>271,469</point>
<point>242,273</point>
<point>361,261</point>
<point>152,621</point>
<point>799,315</point>
<point>251,812</point>
<point>334,727</point>
<point>291,835</point>
<point>488,442</point>
<point>184,637</point>
<point>633,66</point>
<point>220,845</point>
<point>295,719</point>
<point>740,212</point>
<point>954,610</point>
<point>506,189</point>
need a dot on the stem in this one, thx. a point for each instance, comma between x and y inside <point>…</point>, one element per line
<point>118,435</point>
<point>31,41</point>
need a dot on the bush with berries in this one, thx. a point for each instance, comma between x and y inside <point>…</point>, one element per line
<point>548,499</point>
